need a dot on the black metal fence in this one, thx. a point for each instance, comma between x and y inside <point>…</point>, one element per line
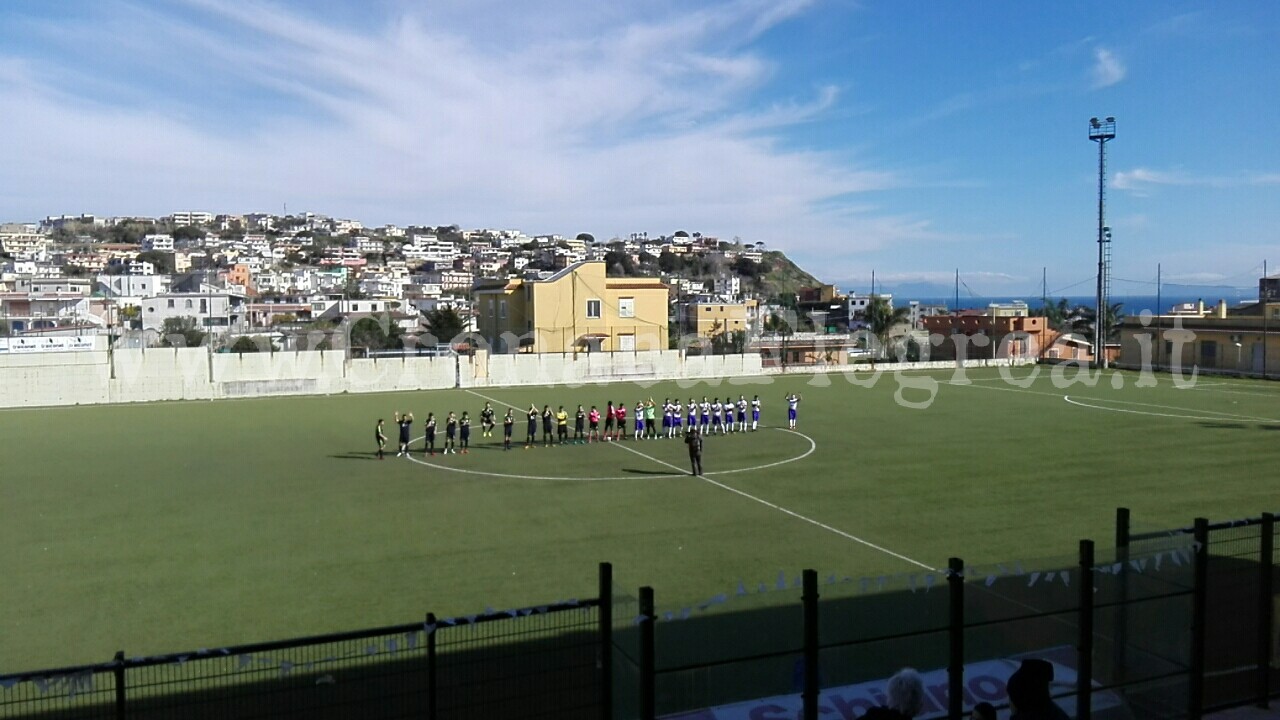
<point>535,662</point>
<point>1165,624</point>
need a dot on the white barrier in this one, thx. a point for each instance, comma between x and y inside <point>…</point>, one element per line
<point>131,375</point>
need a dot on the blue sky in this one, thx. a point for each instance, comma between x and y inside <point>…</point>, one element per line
<point>909,138</point>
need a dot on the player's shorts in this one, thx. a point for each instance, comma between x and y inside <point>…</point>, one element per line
<point>742,416</point>
<point>639,424</point>
<point>506,431</point>
<point>706,419</point>
<point>666,421</point>
<point>791,414</point>
<point>675,422</point>
<point>755,415</point>
<point>450,434</point>
<point>595,425</point>
<point>608,424</point>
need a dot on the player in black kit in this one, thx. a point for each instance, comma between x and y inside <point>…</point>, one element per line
<point>486,420</point>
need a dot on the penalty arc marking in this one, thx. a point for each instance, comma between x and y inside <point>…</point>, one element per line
<point>1217,416</point>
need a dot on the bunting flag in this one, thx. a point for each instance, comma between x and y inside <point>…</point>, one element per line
<point>742,588</point>
<point>245,661</point>
<point>1049,576</point>
<point>1034,577</point>
<point>991,580</point>
<point>7,683</point>
<point>782,580</point>
<point>929,580</point>
<point>286,667</point>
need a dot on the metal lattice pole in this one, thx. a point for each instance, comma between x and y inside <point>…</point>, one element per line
<point>1100,131</point>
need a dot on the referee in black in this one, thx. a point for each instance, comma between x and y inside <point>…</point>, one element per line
<point>693,439</point>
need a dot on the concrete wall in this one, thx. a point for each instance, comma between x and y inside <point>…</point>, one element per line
<point>80,378</point>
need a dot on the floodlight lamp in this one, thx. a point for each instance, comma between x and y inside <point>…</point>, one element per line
<point>1111,119</point>
<point>1093,122</point>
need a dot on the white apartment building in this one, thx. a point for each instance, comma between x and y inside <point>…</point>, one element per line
<point>160,243</point>
<point>24,246</point>
<point>209,310</point>
<point>370,246</point>
<point>191,217</point>
<point>727,285</point>
<point>133,286</point>
<point>141,267</point>
<point>858,303</point>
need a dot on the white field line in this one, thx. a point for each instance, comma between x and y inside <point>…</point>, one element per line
<point>1229,415</point>
<point>1217,418</point>
<point>792,513</point>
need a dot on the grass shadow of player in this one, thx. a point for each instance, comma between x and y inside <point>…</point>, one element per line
<point>1222,425</point>
<point>635,471</point>
<point>361,455</point>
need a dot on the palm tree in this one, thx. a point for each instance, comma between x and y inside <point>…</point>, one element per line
<point>882,319</point>
<point>1085,316</point>
<point>1059,315</point>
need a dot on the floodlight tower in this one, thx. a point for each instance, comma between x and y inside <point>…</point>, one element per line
<point>1100,131</point>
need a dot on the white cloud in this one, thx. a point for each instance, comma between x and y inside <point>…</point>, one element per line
<point>1141,181</point>
<point>649,124</point>
<point>1107,68</point>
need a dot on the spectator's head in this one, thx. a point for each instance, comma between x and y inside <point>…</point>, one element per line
<point>906,692</point>
<point>1029,685</point>
<point>984,711</point>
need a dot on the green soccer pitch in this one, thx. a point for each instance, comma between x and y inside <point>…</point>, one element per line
<point>177,526</point>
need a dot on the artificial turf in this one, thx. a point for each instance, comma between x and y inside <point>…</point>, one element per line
<point>175,526</point>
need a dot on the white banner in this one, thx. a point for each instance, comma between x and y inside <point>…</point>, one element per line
<point>15,345</point>
<point>983,682</point>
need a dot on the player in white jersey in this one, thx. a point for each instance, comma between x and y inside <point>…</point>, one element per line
<point>793,407</point>
<point>677,411</point>
<point>717,421</point>
<point>693,414</point>
<point>742,413</point>
<point>705,419</point>
<point>755,413</point>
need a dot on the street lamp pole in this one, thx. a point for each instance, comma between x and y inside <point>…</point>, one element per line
<point>1100,131</point>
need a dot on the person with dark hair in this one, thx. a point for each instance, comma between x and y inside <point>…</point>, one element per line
<point>486,420</point>
<point>1029,697</point>
<point>984,711</point>
<point>693,438</point>
<point>464,432</point>
<point>429,428</point>
<point>532,437</point>
<point>594,418</point>
<point>450,432</point>
<point>562,426</point>
<point>904,697</point>
<point>580,426</point>
<point>406,423</point>
<point>508,424</point>
<point>548,419</point>
<point>609,416</point>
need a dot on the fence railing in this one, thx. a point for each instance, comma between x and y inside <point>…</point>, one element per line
<point>541,661</point>
<point>1167,624</point>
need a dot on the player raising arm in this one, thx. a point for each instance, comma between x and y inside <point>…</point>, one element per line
<point>406,423</point>
<point>793,408</point>
<point>508,424</point>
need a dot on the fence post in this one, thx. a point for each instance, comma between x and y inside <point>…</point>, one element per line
<point>118,671</point>
<point>1119,659</point>
<point>812,677</point>
<point>1266,560</point>
<point>1084,658</point>
<point>648,660</point>
<point>431,666</point>
<point>606,641</point>
<point>1199,612</point>
<point>955,664</point>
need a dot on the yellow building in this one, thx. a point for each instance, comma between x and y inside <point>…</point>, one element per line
<point>1241,341</point>
<point>708,317</point>
<point>576,310</point>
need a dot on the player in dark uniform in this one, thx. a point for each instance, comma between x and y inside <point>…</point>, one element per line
<point>486,420</point>
<point>382,439</point>
<point>450,433</point>
<point>580,426</point>
<point>508,424</point>
<point>533,427</point>
<point>406,423</point>
<point>548,418</point>
<point>464,431</point>
<point>430,428</point>
<point>609,415</point>
<point>693,439</point>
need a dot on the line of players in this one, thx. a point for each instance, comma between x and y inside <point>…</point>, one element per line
<point>709,417</point>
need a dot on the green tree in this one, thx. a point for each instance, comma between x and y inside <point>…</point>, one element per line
<point>730,343</point>
<point>181,332</point>
<point>376,334</point>
<point>1085,317</point>
<point>620,263</point>
<point>882,319</point>
<point>252,344</point>
<point>668,261</point>
<point>188,232</point>
<point>745,267</point>
<point>445,323</point>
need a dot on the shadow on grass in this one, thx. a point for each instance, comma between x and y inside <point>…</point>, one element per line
<point>360,455</point>
<point>635,471</point>
<point>1215,425</point>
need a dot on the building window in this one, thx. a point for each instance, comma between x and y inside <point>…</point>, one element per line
<point>188,304</point>
<point>502,309</point>
<point>593,309</point>
<point>1209,353</point>
<point>171,303</point>
<point>627,307</point>
<point>203,307</point>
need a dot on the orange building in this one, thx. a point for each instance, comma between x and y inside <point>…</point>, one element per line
<point>979,335</point>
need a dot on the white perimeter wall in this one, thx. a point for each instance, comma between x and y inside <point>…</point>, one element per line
<point>84,378</point>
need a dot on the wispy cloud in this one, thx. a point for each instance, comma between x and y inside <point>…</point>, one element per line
<point>1107,68</point>
<point>638,121</point>
<point>1143,180</point>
